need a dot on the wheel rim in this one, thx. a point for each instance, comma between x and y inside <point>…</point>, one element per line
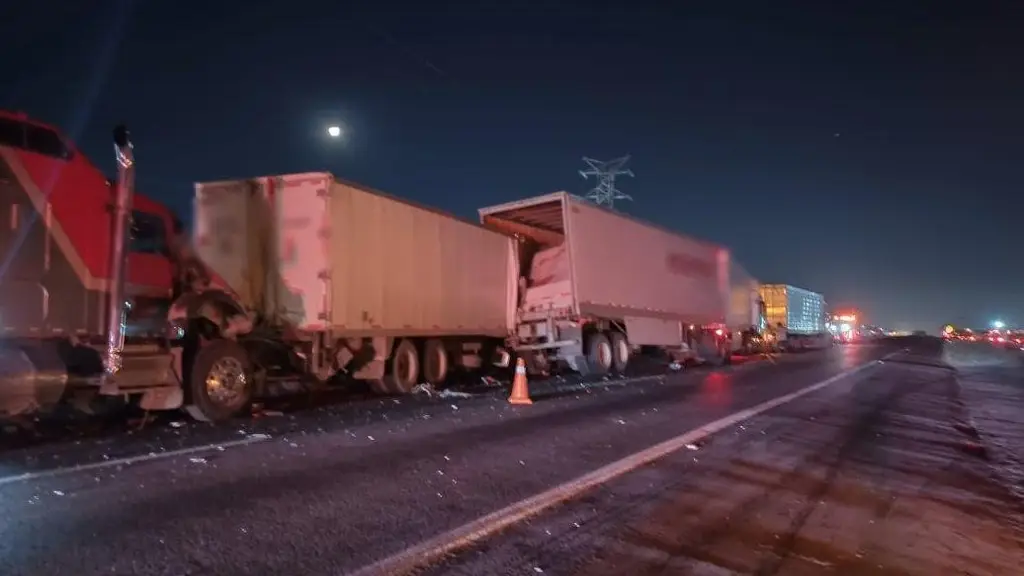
<point>226,382</point>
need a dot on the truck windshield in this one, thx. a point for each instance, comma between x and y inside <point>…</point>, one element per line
<point>32,138</point>
<point>148,234</point>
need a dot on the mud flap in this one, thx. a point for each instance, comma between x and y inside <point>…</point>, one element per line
<point>573,355</point>
<point>374,369</point>
<point>163,398</point>
<point>501,358</point>
<point>578,363</point>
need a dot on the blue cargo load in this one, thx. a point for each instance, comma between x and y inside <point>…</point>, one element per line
<point>799,311</point>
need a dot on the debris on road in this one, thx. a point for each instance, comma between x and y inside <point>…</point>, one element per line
<point>448,393</point>
<point>260,410</point>
<point>429,390</point>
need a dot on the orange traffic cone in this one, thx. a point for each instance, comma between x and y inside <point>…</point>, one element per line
<point>520,389</point>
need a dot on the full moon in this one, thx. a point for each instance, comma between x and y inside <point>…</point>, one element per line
<point>334,131</point>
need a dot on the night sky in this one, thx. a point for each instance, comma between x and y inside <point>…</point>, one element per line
<point>871,154</point>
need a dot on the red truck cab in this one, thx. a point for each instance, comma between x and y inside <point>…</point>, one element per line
<point>56,210</point>
<point>55,206</point>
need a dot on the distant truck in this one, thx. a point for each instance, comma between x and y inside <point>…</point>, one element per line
<point>595,285</point>
<point>845,326</point>
<point>797,317</point>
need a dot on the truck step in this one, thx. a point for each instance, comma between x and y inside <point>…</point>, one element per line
<point>150,375</point>
<point>142,372</point>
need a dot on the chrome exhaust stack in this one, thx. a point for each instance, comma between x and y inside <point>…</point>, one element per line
<point>117,305</point>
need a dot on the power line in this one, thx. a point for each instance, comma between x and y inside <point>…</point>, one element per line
<point>605,193</point>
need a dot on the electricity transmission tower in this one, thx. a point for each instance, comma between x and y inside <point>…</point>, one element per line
<point>605,193</point>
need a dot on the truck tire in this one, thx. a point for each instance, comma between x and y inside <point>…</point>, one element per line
<point>404,369</point>
<point>435,362</point>
<point>220,382</point>
<point>620,352</point>
<point>599,354</point>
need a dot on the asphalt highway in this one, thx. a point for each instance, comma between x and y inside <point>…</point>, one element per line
<point>380,486</point>
<point>901,469</point>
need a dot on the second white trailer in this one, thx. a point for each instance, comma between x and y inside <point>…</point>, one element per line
<point>596,284</point>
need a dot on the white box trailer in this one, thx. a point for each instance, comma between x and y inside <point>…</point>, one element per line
<point>595,284</point>
<point>797,316</point>
<point>355,267</point>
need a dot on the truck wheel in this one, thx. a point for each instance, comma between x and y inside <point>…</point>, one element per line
<point>620,352</point>
<point>435,362</point>
<point>404,372</point>
<point>220,382</point>
<point>599,354</point>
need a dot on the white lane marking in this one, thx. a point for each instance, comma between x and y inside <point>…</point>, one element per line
<point>46,474</point>
<point>430,551</point>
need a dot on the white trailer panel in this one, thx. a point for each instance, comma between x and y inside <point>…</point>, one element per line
<point>403,269</point>
<point>744,309</point>
<point>619,267</point>
<point>632,268</point>
<point>250,234</point>
<point>298,279</point>
<point>221,232</point>
<point>342,257</point>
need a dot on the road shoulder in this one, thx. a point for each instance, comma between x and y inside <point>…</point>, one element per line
<point>873,477</point>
